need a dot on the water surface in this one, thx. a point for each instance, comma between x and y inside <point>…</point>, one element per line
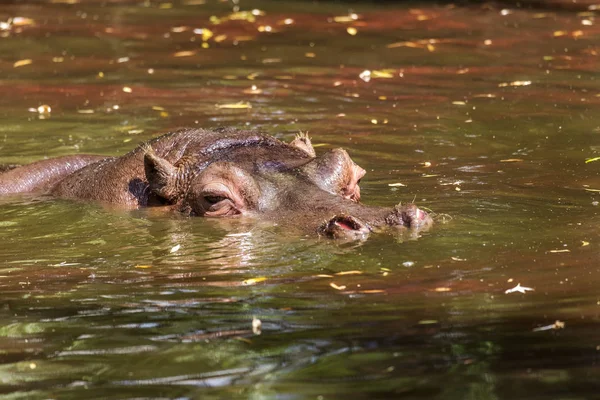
<point>486,115</point>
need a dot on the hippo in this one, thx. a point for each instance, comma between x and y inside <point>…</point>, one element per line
<point>224,172</point>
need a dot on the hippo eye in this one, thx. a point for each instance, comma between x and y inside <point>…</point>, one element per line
<point>214,199</point>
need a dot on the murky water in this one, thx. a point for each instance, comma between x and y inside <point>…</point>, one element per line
<point>486,116</point>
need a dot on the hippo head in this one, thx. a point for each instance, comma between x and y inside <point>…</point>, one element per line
<point>243,173</point>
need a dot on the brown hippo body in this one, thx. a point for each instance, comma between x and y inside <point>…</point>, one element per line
<point>223,172</point>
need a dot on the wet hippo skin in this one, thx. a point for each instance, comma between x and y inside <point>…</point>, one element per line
<point>224,173</point>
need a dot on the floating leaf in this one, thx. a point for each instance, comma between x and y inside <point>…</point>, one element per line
<point>518,288</point>
<point>253,281</point>
<point>186,53</point>
<point>235,106</point>
<point>336,287</point>
<point>22,63</point>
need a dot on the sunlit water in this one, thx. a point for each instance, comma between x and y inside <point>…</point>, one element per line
<point>485,116</point>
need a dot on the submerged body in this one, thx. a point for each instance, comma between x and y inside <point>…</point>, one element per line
<point>223,172</point>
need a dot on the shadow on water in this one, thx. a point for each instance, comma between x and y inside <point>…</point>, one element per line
<point>484,114</point>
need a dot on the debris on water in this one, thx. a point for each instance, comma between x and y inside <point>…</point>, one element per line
<point>22,63</point>
<point>336,287</point>
<point>397,184</point>
<point>556,325</point>
<point>256,326</point>
<point>127,89</point>
<point>408,264</point>
<point>584,243</point>
<point>442,289</point>
<point>346,18</point>
<point>234,106</point>
<point>515,83</point>
<point>186,53</point>
<point>508,160</point>
<point>252,90</point>
<point>175,248</point>
<point>519,288</point>
<point>253,281</point>
<point>352,31</point>
<point>353,272</point>
<point>559,251</point>
<point>589,160</point>
<point>458,259</point>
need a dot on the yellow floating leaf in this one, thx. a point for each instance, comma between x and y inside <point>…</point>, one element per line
<point>512,160</point>
<point>235,106</point>
<point>22,21</point>
<point>371,291</point>
<point>560,251</point>
<point>589,160</point>
<point>324,276</point>
<point>430,47</point>
<point>559,33</point>
<point>458,259</point>
<point>353,272</point>
<point>346,18</point>
<point>127,89</point>
<point>22,63</point>
<point>310,55</point>
<point>442,289</point>
<point>143,266</point>
<point>515,83</point>
<point>382,73</point>
<point>336,287</point>
<point>254,281</point>
<point>352,31</point>
<point>584,243</point>
<point>186,53</point>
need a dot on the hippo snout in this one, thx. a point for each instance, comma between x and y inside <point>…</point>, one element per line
<point>409,216</point>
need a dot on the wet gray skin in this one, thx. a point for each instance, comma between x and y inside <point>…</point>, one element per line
<point>225,173</point>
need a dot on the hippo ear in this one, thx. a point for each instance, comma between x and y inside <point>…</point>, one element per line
<point>161,175</point>
<point>302,141</point>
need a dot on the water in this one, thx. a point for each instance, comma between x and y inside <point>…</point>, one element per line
<point>486,116</point>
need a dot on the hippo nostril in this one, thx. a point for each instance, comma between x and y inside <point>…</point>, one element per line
<point>346,222</point>
<point>345,226</point>
<point>408,216</point>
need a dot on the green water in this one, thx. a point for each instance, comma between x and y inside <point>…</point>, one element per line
<point>97,302</point>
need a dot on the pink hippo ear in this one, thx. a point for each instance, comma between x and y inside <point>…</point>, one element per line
<point>302,142</point>
<point>161,175</point>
